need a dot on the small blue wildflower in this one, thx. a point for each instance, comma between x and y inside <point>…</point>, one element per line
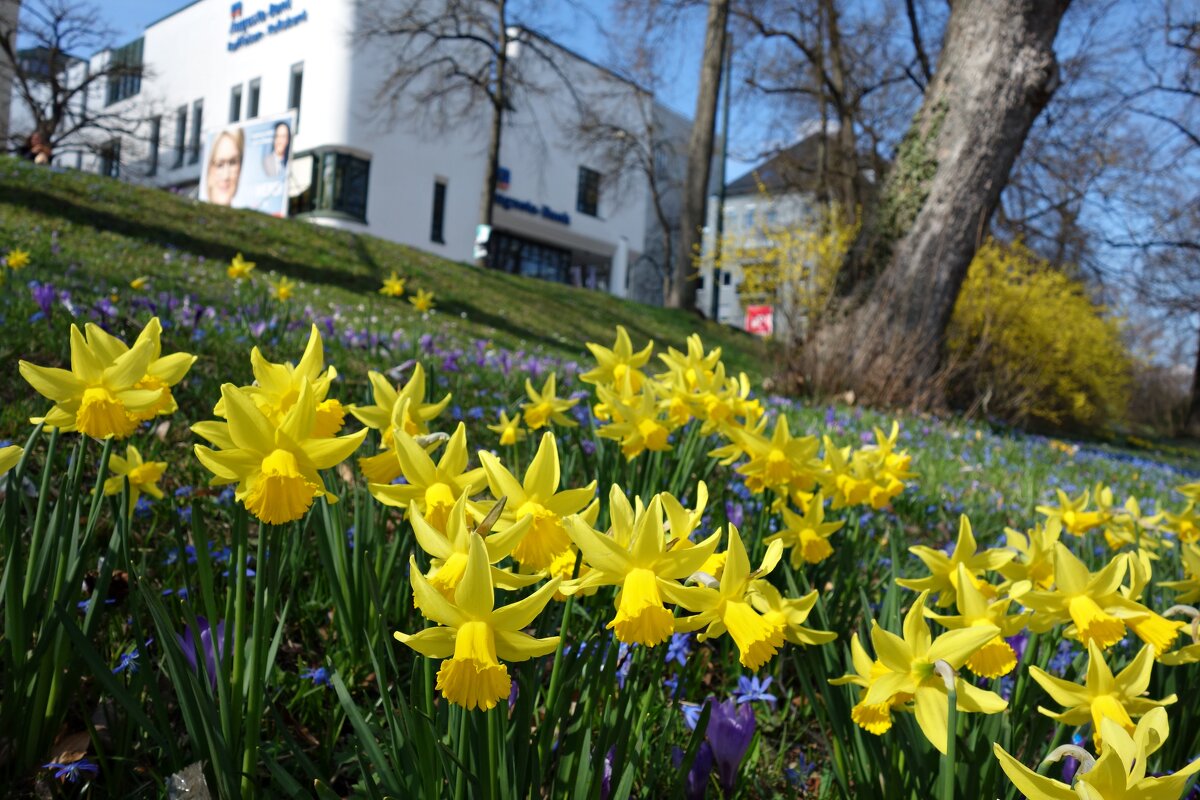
<point>319,676</point>
<point>678,648</point>
<point>750,688</point>
<point>74,771</point>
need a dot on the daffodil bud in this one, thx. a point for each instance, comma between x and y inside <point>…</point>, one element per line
<point>1086,760</point>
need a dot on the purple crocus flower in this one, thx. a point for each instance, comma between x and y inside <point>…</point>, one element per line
<point>606,778</point>
<point>730,729</point>
<point>1018,643</point>
<point>44,295</point>
<point>188,643</point>
<point>735,513</point>
<point>696,781</point>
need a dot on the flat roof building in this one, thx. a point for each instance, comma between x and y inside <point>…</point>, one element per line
<point>358,163</point>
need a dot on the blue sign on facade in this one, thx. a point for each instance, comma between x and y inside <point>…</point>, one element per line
<point>277,17</point>
<point>543,211</point>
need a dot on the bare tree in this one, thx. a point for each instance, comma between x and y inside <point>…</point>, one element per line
<point>685,280</point>
<point>640,152</point>
<point>449,59</point>
<point>71,103</point>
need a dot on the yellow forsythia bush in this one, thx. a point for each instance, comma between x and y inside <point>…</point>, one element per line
<point>1028,344</point>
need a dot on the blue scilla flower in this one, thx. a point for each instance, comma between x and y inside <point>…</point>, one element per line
<point>319,676</point>
<point>750,688</point>
<point>678,648</point>
<point>73,771</point>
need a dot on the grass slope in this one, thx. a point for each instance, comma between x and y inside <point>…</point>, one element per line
<point>114,232</point>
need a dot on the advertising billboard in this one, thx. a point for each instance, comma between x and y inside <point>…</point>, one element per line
<point>246,165</point>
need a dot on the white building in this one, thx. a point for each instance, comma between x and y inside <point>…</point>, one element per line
<point>779,194</point>
<point>557,214</point>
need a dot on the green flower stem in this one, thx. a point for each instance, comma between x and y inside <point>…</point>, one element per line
<point>265,586</point>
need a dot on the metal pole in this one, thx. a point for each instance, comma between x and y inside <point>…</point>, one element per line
<point>720,226</point>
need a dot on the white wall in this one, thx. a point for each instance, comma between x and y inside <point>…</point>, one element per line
<point>187,59</point>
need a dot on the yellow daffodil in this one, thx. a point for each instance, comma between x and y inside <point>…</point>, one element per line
<point>1118,774</point>
<point>808,534</point>
<point>17,259</point>
<point>788,614</point>
<point>1073,513</point>
<point>546,406</point>
<point>1185,524</point>
<point>139,283</point>
<point>448,550</point>
<point>277,386</point>
<point>693,368</point>
<point>283,289</point>
<point>273,464</point>
<point>422,301</point>
<point>1102,696</point>
<point>473,635</point>
<point>943,577</point>
<point>635,557</point>
<point>1190,490</point>
<point>142,475</point>
<point>98,396</point>
<point>163,372</point>
<point>996,658</point>
<point>1149,626</point>
<point>395,408</point>
<point>1034,560</point>
<point>538,498</point>
<point>782,463</point>
<point>875,718</point>
<point>1077,598</point>
<point>726,607</point>
<point>431,488</point>
<point>1188,589</point>
<point>909,670</point>
<point>635,423</point>
<point>9,457</point>
<point>393,286</point>
<point>509,430</point>
<point>239,268</point>
<point>614,365</point>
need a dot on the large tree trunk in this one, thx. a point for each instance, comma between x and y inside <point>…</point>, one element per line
<point>1193,417</point>
<point>10,10</point>
<point>684,280</point>
<point>996,72</point>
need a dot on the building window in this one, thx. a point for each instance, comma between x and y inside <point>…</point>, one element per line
<point>726,278</point>
<point>235,103</point>
<point>337,185</point>
<point>436,233</point>
<point>180,135</point>
<point>295,88</point>
<point>252,99</point>
<point>155,137</point>
<point>110,159</point>
<point>587,199</point>
<point>125,72</point>
<point>197,131</point>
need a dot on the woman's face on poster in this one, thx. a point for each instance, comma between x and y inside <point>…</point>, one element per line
<point>224,171</point>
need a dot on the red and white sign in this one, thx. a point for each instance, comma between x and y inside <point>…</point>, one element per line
<point>760,320</point>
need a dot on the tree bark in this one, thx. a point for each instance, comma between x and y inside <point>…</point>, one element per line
<point>10,10</point>
<point>684,280</point>
<point>499,104</point>
<point>1193,418</point>
<point>996,73</point>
